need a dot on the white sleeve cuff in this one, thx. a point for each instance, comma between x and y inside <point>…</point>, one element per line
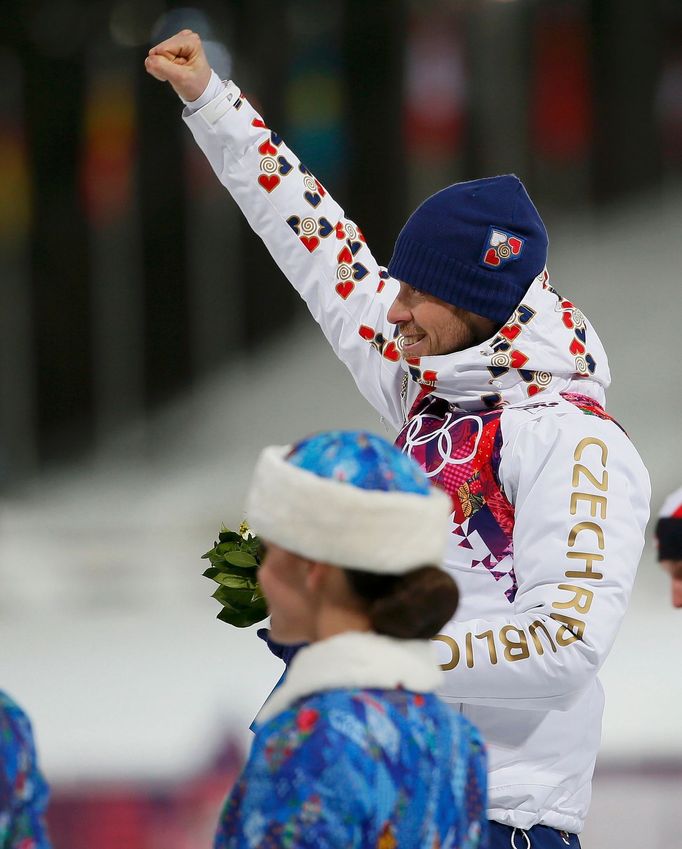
<point>214,102</point>
<point>213,88</point>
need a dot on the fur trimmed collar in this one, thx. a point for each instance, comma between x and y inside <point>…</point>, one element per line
<point>352,660</point>
<point>547,345</point>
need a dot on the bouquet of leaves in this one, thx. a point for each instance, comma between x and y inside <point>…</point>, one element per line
<point>234,559</point>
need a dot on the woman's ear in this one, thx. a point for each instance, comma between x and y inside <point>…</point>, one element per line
<point>316,575</point>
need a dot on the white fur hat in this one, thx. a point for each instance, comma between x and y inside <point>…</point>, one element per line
<point>323,517</point>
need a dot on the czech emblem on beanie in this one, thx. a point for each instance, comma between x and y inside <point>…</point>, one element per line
<point>500,248</point>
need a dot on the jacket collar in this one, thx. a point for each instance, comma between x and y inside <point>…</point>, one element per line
<point>546,346</point>
<point>355,660</point>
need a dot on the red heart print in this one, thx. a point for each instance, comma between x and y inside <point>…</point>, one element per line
<point>344,289</point>
<point>380,287</point>
<point>345,255</point>
<point>366,332</point>
<point>429,376</point>
<point>491,257</point>
<point>515,245</point>
<point>258,122</point>
<point>533,389</point>
<point>518,360</point>
<point>320,187</point>
<point>269,181</point>
<point>267,148</point>
<point>391,352</point>
<point>311,242</point>
<point>511,331</point>
<point>340,232</point>
<point>576,347</point>
<point>413,361</point>
<point>567,320</point>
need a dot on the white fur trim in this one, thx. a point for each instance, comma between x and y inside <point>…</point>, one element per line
<point>337,523</point>
<point>356,659</point>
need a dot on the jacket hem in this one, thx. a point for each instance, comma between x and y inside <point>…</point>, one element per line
<point>527,819</point>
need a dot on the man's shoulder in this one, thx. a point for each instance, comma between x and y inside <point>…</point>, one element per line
<point>560,426</point>
<point>550,404</point>
<point>567,412</point>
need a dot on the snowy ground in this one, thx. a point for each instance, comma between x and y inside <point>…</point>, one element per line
<point>107,627</point>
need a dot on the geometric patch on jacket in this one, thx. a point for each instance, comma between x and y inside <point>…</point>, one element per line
<point>501,570</point>
<point>460,452</point>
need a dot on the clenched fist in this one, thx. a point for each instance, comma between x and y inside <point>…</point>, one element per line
<point>181,61</point>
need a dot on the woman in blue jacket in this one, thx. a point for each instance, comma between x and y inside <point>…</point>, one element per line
<point>354,749</point>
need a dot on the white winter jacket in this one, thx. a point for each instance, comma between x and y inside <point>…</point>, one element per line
<point>550,498</point>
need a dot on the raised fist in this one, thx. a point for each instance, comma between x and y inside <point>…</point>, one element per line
<point>181,61</point>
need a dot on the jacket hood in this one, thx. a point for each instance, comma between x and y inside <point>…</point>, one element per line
<point>547,345</point>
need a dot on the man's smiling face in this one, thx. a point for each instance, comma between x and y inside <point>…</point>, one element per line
<point>430,327</point>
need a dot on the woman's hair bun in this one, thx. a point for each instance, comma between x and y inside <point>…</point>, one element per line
<point>412,606</point>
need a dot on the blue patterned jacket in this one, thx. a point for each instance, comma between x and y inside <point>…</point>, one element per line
<point>23,791</point>
<point>358,766</point>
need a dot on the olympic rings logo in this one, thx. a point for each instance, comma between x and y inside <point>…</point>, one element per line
<point>443,437</point>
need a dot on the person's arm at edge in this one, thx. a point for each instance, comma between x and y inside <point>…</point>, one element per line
<point>27,816</point>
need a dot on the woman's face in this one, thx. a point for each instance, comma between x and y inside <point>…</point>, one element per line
<point>282,577</point>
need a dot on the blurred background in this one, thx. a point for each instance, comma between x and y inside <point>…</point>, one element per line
<point>149,348</point>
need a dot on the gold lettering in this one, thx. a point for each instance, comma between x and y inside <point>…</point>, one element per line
<point>586,526</point>
<point>590,440</point>
<point>593,500</point>
<point>492,650</point>
<point>454,651</point>
<point>589,560</point>
<point>519,646</point>
<point>602,485</point>
<point>468,642</point>
<point>570,631</point>
<point>581,601</point>
<point>536,640</point>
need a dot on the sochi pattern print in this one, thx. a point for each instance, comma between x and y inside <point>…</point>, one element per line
<point>23,791</point>
<point>360,769</point>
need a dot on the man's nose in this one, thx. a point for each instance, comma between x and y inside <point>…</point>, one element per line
<point>677,592</point>
<point>398,313</point>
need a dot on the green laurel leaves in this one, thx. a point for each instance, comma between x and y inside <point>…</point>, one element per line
<point>234,559</point>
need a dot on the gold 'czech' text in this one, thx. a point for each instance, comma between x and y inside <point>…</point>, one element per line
<point>585,542</point>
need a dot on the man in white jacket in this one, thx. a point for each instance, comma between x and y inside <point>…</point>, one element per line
<point>496,386</point>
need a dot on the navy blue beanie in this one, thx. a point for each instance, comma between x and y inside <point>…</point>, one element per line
<point>477,245</point>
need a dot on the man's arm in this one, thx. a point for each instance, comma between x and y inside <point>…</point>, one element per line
<point>322,253</point>
<point>581,497</point>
